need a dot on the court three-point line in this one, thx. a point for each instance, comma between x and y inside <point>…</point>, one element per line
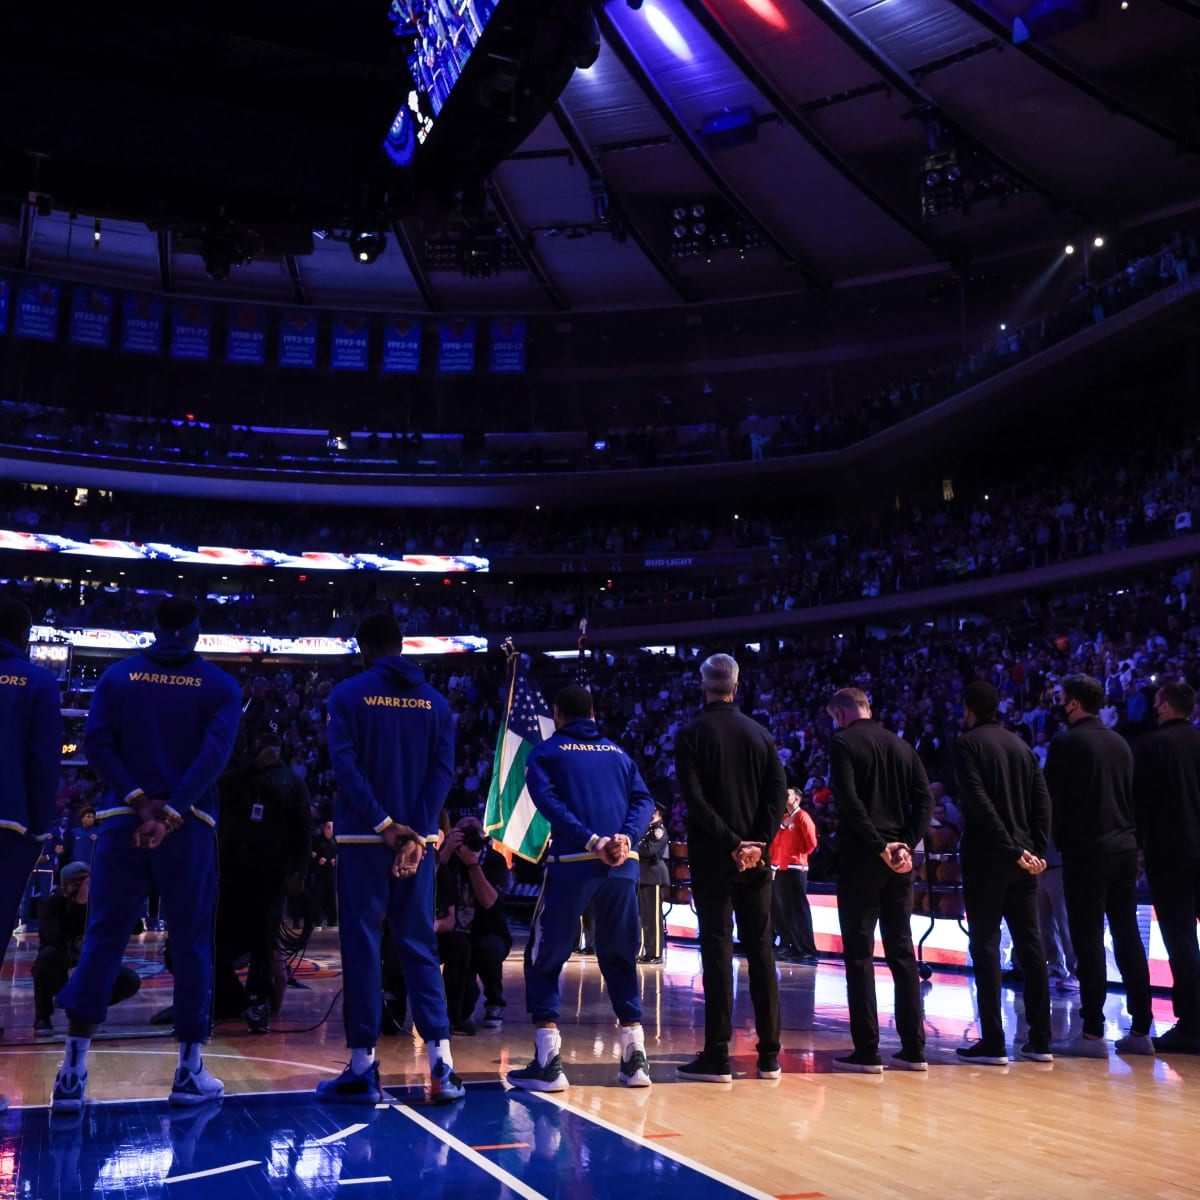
<point>341,1135</point>
<point>238,1166</point>
<point>510,1181</point>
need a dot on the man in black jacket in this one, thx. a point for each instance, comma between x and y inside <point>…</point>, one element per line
<point>1089,771</point>
<point>265,831</point>
<point>1166,799</point>
<point>62,919</point>
<point>733,783</point>
<point>1006,813</point>
<point>884,803</point>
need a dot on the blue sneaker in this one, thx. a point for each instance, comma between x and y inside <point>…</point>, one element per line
<point>349,1088</point>
<point>444,1085</point>
<point>539,1078</point>
<point>69,1095</point>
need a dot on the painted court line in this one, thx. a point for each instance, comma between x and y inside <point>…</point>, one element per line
<point>510,1181</point>
<point>504,1146</point>
<point>369,1179</point>
<point>341,1135</point>
<point>648,1136</point>
<point>691,1163</point>
<point>250,1162</point>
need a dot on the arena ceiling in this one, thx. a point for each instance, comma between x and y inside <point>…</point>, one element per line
<point>840,112</point>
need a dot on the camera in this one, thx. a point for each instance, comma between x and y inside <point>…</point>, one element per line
<point>472,838</point>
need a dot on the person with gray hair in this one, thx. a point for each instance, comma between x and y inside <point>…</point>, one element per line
<point>733,783</point>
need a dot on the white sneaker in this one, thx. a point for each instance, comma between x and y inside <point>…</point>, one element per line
<point>1135,1043</point>
<point>1080,1047</point>
<point>70,1091</point>
<point>195,1087</point>
<point>635,1070</point>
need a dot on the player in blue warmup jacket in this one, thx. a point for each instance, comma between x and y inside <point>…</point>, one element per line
<point>391,743</point>
<point>598,807</point>
<point>30,748</point>
<point>160,730</point>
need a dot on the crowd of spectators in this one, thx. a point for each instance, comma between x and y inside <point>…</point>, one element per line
<point>1049,516</point>
<point>1128,636</point>
<point>829,424</point>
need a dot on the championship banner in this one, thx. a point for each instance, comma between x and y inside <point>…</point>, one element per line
<point>191,330</point>
<point>507,350</point>
<point>91,318</point>
<point>141,326</point>
<point>298,339</point>
<point>350,341</point>
<point>5,289</point>
<point>401,346</point>
<point>246,337</point>
<point>37,312</point>
<point>457,356</point>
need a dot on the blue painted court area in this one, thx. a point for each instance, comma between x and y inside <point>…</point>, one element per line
<point>496,1143</point>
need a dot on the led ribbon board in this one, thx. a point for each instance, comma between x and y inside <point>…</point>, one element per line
<point>233,643</point>
<point>228,556</point>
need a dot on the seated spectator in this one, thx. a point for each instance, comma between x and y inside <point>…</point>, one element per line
<point>62,919</point>
<point>471,877</point>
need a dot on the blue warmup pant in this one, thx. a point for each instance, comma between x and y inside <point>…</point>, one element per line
<point>184,869</point>
<point>367,892</point>
<point>567,890</point>
<point>18,856</point>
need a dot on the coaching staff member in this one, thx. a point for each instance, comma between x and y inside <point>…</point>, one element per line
<point>1089,770</point>
<point>1166,798</point>
<point>391,743</point>
<point>160,730</point>
<point>884,803</point>
<point>1006,815</point>
<point>30,748</point>
<point>735,789</point>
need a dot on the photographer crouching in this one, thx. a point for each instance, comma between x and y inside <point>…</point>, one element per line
<point>471,877</point>
<point>62,920</point>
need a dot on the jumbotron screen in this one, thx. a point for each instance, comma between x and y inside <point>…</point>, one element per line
<point>442,34</point>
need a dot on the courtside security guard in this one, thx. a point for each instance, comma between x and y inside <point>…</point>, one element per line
<point>391,743</point>
<point>30,747</point>
<point>160,730</point>
<point>598,807</point>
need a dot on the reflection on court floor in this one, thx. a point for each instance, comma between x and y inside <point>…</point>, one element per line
<point>496,1143</point>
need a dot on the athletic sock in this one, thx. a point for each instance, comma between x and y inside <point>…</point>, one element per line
<point>361,1060</point>
<point>439,1051</point>
<point>548,1043</point>
<point>77,1051</point>
<point>633,1037</point>
<point>189,1056</point>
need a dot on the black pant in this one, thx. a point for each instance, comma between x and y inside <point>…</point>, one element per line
<point>650,908</point>
<point>1175,886</point>
<point>868,890</point>
<point>1097,887</point>
<point>50,972</point>
<point>324,896</point>
<point>463,958</point>
<point>793,917</point>
<point>994,892</point>
<point>249,909</point>
<point>720,892</point>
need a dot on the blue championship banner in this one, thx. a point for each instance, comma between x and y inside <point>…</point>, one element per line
<point>246,338</point>
<point>350,339</point>
<point>37,312</point>
<point>457,356</point>
<point>298,339</point>
<point>191,330</point>
<point>401,346</point>
<point>91,318</point>
<point>141,324</point>
<point>5,290</point>
<point>507,350</point>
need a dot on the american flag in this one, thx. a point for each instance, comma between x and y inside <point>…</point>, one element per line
<point>511,817</point>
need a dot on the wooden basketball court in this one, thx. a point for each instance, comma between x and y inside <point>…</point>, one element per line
<point>1070,1128</point>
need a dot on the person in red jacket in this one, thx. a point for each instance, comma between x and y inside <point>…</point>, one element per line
<point>795,841</point>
